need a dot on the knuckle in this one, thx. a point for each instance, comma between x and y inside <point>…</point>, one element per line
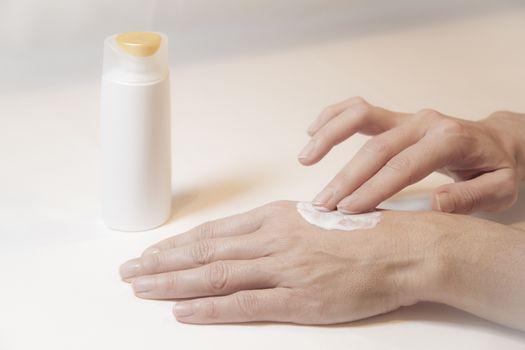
<point>376,147</point>
<point>278,205</point>
<point>357,100</point>
<point>507,201</point>
<point>399,163</point>
<point>471,199</point>
<point>494,115</point>
<point>362,107</point>
<point>171,281</point>
<point>202,252</point>
<point>501,114</point>
<point>317,308</point>
<point>509,189</point>
<point>510,180</point>
<point>217,276</point>
<point>210,309</point>
<point>290,301</point>
<point>300,307</point>
<point>248,303</point>
<point>428,113</point>
<point>152,263</point>
<point>207,230</point>
<point>449,126</point>
<point>512,199</point>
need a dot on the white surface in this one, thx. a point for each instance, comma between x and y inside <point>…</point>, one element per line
<point>239,121</point>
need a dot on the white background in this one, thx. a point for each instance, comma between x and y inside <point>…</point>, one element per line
<point>248,77</point>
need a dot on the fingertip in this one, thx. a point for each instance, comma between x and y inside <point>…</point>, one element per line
<point>144,287</point>
<point>129,270</point>
<point>182,310</point>
<point>345,211</point>
<point>151,251</point>
<point>352,210</point>
<point>321,208</point>
<point>305,160</point>
<point>355,208</point>
<point>308,151</point>
<point>351,205</point>
<point>324,200</point>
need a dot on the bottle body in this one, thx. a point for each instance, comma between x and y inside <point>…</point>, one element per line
<point>136,159</point>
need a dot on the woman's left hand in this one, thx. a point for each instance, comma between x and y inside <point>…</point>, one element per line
<point>270,265</point>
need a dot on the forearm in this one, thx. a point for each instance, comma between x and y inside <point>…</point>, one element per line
<point>483,272</point>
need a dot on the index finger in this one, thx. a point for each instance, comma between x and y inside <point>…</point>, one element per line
<point>406,168</point>
<point>331,112</point>
<point>365,164</point>
<point>234,225</point>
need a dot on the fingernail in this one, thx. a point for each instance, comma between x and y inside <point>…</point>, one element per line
<point>151,251</point>
<point>183,309</point>
<point>144,284</point>
<point>343,205</point>
<point>130,269</point>
<point>320,208</point>
<point>307,150</point>
<point>445,203</point>
<point>321,200</point>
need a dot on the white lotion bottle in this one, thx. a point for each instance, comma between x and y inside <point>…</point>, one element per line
<point>135,132</point>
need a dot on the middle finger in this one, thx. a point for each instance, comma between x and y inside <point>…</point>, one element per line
<point>217,278</point>
<point>196,254</point>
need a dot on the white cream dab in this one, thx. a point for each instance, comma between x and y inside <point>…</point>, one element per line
<point>335,220</point>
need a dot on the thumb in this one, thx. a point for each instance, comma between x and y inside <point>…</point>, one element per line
<point>493,191</point>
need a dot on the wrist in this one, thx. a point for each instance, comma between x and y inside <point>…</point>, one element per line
<point>460,250</point>
<point>423,265</point>
<point>480,269</point>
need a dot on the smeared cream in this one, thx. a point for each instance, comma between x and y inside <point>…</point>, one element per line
<point>335,220</point>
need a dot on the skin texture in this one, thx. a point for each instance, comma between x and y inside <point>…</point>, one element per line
<point>270,265</point>
<point>486,158</point>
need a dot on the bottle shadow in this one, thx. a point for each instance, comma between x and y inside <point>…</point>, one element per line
<point>217,191</point>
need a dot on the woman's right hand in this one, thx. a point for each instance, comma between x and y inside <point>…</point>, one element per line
<point>486,158</point>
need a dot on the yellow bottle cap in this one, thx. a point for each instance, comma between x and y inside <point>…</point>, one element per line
<point>140,44</point>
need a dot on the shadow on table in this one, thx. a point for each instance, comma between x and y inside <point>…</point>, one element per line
<point>434,313</point>
<point>213,193</point>
<point>424,313</point>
